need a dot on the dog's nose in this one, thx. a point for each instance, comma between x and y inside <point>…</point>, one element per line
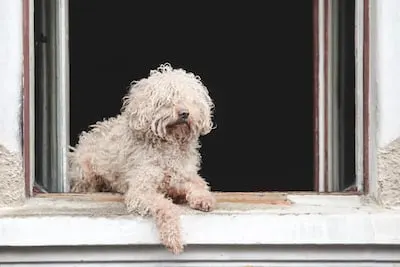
<point>183,114</point>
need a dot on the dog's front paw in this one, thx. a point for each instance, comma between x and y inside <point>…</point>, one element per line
<point>171,237</point>
<point>176,247</point>
<point>203,201</point>
<point>168,224</point>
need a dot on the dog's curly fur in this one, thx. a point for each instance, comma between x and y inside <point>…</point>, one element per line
<point>149,152</point>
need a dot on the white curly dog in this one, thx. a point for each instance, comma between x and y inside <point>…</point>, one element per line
<point>150,152</point>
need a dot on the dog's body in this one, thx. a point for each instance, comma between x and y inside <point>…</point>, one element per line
<point>149,152</point>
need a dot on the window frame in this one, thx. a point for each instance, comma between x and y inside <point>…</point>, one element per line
<point>28,99</point>
<point>323,162</point>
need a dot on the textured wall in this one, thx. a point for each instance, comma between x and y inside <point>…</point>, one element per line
<point>11,62</point>
<point>11,178</point>
<point>389,174</point>
<point>385,81</point>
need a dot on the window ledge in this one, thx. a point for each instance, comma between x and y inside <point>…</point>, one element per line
<point>310,219</point>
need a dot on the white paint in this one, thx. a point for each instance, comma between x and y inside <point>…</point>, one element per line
<point>266,263</point>
<point>11,62</point>
<point>32,93</point>
<point>62,48</point>
<point>266,229</point>
<point>311,220</point>
<point>232,237</point>
<point>387,43</point>
<point>235,236</point>
<point>374,128</point>
<point>359,68</point>
<point>294,256</point>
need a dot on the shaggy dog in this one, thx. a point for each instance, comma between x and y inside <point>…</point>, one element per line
<point>150,152</point>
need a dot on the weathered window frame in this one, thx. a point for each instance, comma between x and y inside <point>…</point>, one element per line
<point>322,63</point>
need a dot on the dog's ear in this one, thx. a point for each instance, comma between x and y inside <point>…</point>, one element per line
<point>207,127</point>
<point>207,111</point>
<point>207,124</point>
<point>134,107</point>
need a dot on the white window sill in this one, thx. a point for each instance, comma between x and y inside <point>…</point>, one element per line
<point>312,219</point>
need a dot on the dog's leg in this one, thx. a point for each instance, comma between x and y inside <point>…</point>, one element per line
<point>81,186</point>
<point>197,193</point>
<point>85,180</point>
<point>147,201</point>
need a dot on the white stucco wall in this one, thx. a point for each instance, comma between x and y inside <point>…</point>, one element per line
<point>387,67</point>
<point>11,66</point>
<point>10,73</point>
<point>385,86</point>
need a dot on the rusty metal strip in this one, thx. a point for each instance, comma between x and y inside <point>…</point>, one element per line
<point>26,96</point>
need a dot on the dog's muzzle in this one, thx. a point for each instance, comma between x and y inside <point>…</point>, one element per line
<point>183,115</point>
<point>182,118</point>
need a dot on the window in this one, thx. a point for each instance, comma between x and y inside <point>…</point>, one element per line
<point>311,223</point>
<point>284,86</point>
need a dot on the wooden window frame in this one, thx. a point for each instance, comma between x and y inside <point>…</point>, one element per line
<point>321,72</point>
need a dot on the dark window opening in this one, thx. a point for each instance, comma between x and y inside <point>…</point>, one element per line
<point>346,74</point>
<point>257,66</point>
<point>256,60</point>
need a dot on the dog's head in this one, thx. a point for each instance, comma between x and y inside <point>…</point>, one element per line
<point>171,104</point>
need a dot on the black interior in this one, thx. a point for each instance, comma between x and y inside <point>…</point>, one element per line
<point>255,57</point>
<point>346,93</point>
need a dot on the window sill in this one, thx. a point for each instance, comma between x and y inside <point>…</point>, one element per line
<point>310,219</point>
